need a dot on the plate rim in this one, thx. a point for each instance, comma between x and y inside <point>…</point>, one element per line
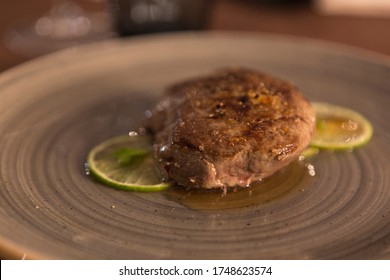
<point>352,51</point>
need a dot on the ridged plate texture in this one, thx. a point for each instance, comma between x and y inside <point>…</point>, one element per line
<point>55,109</point>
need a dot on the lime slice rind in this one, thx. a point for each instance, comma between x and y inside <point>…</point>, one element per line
<point>356,130</point>
<point>142,176</point>
<point>309,152</point>
<point>337,128</point>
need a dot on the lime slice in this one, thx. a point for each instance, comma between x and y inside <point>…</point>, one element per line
<point>309,152</point>
<point>339,128</point>
<point>126,163</point>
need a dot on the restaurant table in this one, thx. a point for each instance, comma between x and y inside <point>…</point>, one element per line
<point>370,33</point>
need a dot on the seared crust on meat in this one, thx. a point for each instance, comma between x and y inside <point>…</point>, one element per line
<point>229,129</point>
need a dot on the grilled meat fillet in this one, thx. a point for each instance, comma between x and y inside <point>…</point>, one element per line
<point>229,129</point>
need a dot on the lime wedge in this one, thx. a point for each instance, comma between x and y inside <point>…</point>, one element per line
<point>339,128</point>
<point>138,172</point>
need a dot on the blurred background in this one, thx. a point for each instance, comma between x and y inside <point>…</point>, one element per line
<point>29,29</point>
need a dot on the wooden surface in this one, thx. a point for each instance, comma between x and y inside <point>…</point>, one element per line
<point>365,32</point>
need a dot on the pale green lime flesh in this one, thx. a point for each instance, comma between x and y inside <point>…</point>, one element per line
<point>339,128</point>
<point>309,152</point>
<point>142,176</point>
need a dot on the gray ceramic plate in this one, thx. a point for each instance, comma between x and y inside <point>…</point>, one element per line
<point>54,109</point>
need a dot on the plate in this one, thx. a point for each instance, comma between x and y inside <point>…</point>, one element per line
<point>55,109</point>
